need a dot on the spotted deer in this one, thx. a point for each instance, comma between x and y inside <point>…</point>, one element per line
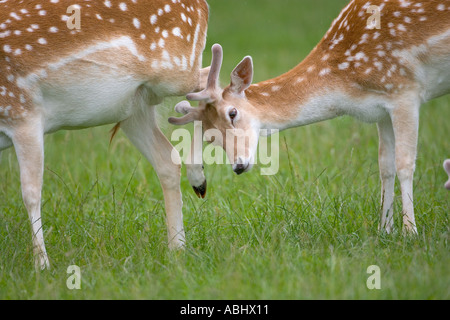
<point>124,58</point>
<point>375,75</point>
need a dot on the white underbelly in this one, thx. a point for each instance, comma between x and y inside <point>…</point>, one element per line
<point>370,109</point>
<point>434,73</point>
<point>87,103</point>
<point>436,80</point>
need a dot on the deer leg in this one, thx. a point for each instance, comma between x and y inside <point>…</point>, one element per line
<point>28,140</point>
<point>143,131</point>
<point>386,162</point>
<point>405,120</point>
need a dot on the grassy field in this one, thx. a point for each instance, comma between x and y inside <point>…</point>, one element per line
<point>309,232</point>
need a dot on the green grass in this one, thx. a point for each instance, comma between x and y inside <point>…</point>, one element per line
<point>309,232</point>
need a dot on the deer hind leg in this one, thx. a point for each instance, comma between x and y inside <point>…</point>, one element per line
<point>405,120</point>
<point>28,140</point>
<point>143,131</point>
<point>386,161</point>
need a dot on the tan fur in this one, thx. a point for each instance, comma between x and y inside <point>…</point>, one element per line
<point>99,23</point>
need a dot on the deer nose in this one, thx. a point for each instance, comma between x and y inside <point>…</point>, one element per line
<point>240,168</point>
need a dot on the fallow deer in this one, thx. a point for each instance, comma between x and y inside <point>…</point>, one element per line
<point>115,66</point>
<point>375,75</point>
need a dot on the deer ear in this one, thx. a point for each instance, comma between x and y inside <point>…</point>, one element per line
<point>242,76</point>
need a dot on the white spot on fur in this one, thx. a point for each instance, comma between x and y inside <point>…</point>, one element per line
<point>136,23</point>
<point>343,65</point>
<point>176,32</point>
<point>123,6</point>
<point>324,72</point>
<point>378,65</point>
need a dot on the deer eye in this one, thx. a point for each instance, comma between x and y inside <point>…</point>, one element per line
<point>232,114</point>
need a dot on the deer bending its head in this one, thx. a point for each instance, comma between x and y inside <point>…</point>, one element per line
<point>217,111</point>
<point>376,75</point>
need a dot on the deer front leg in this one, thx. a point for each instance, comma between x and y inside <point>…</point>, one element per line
<point>386,162</point>
<point>405,120</point>
<point>144,133</point>
<point>28,140</point>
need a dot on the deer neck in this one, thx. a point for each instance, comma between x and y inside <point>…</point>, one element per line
<point>304,95</point>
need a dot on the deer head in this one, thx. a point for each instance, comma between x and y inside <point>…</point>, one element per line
<point>226,114</point>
